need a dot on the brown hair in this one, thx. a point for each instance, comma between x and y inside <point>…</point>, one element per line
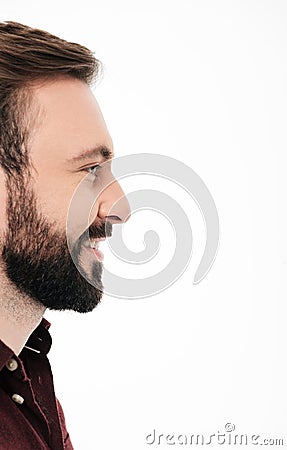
<point>27,55</point>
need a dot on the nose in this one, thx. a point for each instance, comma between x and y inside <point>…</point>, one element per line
<point>113,204</point>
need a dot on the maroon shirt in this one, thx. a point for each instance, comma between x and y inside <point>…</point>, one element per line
<point>31,417</point>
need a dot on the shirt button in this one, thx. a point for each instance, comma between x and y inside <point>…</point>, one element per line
<point>17,399</point>
<point>12,365</point>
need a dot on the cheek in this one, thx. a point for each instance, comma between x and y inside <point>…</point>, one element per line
<point>56,196</point>
<point>53,198</point>
<point>93,213</point>
<point>82,211</point>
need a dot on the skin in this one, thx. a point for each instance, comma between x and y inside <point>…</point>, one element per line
<point>71,122</point>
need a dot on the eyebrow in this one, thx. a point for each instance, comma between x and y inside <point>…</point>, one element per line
<point>99,150</point>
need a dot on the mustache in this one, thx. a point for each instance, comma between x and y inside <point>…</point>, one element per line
<point>102,230</point>
<point>97,230</point>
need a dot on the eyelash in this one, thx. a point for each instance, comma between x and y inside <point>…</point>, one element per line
<point>97,166</point>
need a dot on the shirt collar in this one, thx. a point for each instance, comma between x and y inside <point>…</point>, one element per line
<point>40,342</point>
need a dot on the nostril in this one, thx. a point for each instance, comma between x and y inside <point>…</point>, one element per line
<point>114,219</point>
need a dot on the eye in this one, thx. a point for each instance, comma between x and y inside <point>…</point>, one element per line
<point>93,169</point>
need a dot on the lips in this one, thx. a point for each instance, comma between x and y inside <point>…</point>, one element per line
<point>92,244</point>
<point>99,255</point>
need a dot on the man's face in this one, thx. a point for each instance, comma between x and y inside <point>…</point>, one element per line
<point>33,243</point>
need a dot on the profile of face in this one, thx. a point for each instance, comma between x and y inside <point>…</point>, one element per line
<point>64,148</point>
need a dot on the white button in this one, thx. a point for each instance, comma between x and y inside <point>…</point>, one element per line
<point>12,364</point>
<point>17,399</point>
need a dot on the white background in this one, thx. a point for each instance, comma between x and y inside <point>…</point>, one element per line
<point>204,82</point>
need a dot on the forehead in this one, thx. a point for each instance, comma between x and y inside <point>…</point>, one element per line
<point>71,121</point>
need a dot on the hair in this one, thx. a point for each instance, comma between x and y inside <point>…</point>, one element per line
<point>28,55</point>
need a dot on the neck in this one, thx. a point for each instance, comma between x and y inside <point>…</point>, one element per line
<point>19,315</point>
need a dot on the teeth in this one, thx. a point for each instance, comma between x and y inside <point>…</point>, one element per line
<point>94,244</point>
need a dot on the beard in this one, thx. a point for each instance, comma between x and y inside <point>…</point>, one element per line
<point>37,260</point>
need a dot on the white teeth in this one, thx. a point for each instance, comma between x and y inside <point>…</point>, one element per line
<point>94,244</point>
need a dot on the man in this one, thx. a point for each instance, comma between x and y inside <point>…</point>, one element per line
<point>52,135</point>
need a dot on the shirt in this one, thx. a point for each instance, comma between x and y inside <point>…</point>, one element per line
<point>31,416</point>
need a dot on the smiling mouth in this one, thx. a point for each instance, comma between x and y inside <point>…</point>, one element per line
<point>93,246</point>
